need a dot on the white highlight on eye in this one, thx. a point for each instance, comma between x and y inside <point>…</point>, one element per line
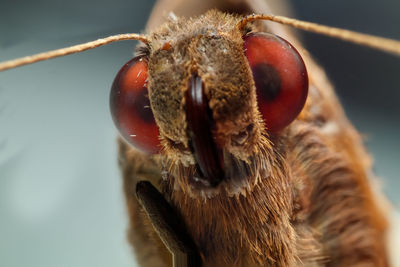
<point>172,16</point>
<point>132,135</point>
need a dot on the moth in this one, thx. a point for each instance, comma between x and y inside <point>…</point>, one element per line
<point>307,242</point>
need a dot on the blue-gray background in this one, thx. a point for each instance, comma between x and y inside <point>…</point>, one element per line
<point>61,200</point>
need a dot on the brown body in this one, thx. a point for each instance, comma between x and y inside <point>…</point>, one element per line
<point>309,198</point>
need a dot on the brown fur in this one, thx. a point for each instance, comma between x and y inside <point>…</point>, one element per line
<point>306,198</point>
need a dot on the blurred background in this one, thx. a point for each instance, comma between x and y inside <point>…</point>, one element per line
<point>61,201</point>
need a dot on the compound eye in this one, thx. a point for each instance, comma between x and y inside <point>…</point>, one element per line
<point>280,77</point>
<point>130,107</point>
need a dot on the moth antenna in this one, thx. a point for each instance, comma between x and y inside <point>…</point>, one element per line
<point>71,50</point>
<point>380,43</point>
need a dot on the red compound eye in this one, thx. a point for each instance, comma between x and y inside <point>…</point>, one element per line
<point>280,77</point>
<point>130,106</point>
